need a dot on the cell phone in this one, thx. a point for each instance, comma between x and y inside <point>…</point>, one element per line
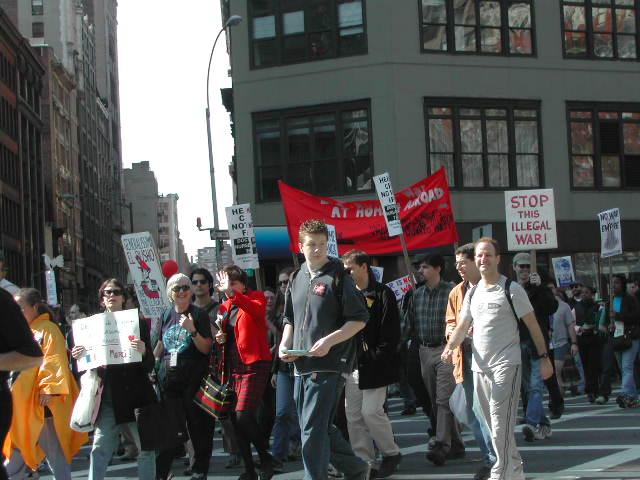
<point>297,353</point>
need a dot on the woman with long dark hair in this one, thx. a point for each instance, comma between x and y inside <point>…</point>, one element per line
<point>125,387</point>
<point>248,359</point>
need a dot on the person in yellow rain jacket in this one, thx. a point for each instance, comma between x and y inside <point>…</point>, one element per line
<point>43,399</point>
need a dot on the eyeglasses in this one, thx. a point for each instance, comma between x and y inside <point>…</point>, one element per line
<point>115,292</point>
<point>524,265</point>
<point>180,288</point>
<point>283,282</point>
<point>204,281</point>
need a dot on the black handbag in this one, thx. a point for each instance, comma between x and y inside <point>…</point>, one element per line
<point>621,343</point>
<point>216,397</point>
<point>161,425</point>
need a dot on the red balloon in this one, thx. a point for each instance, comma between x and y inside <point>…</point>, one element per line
<point>169,268</point>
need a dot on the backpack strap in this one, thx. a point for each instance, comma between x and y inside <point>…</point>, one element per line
<point>507,292</point>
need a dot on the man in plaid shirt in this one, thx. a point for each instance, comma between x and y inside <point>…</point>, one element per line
<point>429,307</point>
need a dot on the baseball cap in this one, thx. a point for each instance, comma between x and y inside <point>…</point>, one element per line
<point>522,257</point>
<point>575,284</point>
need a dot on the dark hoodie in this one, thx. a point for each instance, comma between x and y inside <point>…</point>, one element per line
<point>311,307</point>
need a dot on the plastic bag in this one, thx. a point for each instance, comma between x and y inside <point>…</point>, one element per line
<point>82,418</point>
<point>458,404</point>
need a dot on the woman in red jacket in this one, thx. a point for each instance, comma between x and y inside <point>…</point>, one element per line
<point>248,359</point>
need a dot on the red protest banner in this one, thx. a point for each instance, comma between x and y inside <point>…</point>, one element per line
<point>425,212</point>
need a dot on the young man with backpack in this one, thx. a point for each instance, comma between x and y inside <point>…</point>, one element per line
<point>495,308</point>
<point>323,311</point>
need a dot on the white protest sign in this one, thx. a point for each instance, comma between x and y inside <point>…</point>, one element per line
<point>563,269</point>
<point>146,274</point>
<point>242,236</point>
<point>610,233</point>
<point>50,282</point>
<point>377,273</point>
<point>400,286</point>
<point>388,202</point>
<point>332,242</point>
<point>107,338</point>
<point>530,219</point>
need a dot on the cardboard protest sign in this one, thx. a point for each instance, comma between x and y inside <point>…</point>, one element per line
<point>242,236</point>
<point>146,273</point>
<point>107,338</point>
<point>332,242</point>
<point>610,233</point>
<point>530,219</point>
<point>425,212</point>
<point>563,270</point>
<point>400,286</point>
<point>388,202</point>
<point>377,273</point>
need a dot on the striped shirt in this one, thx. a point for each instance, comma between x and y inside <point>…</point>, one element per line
<point>429,311</point>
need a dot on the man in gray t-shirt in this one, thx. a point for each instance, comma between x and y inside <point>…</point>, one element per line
<point>496,353</point>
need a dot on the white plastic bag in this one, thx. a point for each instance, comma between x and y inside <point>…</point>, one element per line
<point>82,416</point>
<point>458,404</point>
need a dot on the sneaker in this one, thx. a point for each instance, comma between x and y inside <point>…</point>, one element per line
<point>545,430</point>
<point>436,455</point>
<point>601,400</point>
<point>532,433</point>
<point>389,465</point>
<point>410,410</point>
<point>591,397</point>
<point>198,476</point>
<point>432,442</point>
<point>483,474</point>
<point>623,400</point>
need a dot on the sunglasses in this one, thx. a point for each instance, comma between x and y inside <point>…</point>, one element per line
<point>180,288</point>
<point>524,265</point>
<point>115,293</point>
<point>204,281</point>
<point>283,282</point>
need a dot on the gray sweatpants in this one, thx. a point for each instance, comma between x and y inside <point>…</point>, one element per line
<point>498,393</point>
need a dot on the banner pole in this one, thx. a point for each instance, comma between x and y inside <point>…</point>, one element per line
<point>534,266</point>
<point>407,262</point>
<point>296,263</point>
<point>258,274</point>
<point>611,292</point>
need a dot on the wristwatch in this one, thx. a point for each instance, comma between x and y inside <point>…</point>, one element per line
<point>544,355</point>
<point>194,333</point>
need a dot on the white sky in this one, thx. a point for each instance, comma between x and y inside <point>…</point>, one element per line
<point>163,54</point>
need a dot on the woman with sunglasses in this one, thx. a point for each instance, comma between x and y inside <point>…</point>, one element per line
<point>125,387</point>
<point>185,345</point>
<point>248,359</point>
<point>43,400</point>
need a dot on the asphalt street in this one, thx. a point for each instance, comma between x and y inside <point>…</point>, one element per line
<point>589,442</point>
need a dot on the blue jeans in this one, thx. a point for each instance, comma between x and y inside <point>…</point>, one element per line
<point>533,386</point>
<point>478,424</point>
<point>626,361</point>
<point>316,396</point>
<point>105,441</point>
<point>286,423</point>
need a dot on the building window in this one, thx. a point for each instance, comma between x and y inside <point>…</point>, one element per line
<point>37,29</point>
<point>293,31</point>
<point>484,143</point>
<point>36,7</point>
<point>493,27</point>
<point>323,150</point>
<point>600,29</point>
<point>604,142</point>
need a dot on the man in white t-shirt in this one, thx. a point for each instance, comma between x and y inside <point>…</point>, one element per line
<point>496,353</point>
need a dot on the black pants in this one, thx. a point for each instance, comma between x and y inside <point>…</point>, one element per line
<point>609,367</point>
<point>6,409</point>
<point>414,377</point>
<point>556,400</point>
<point>200,426</point>
<point>590,347</point>
<point>247,432</point>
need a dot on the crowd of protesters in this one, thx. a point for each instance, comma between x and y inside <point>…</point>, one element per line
<point>311,361</point>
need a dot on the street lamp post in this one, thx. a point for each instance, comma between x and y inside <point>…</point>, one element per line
<point>231,21</point>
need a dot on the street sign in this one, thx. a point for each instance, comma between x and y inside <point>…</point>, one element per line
<point>219,235</point>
